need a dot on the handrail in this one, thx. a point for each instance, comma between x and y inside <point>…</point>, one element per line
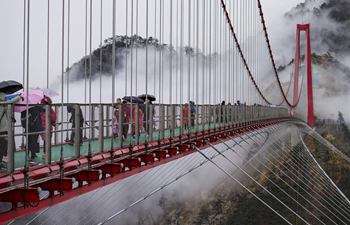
<point>154,129</point>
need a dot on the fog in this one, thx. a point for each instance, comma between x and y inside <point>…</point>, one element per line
<point>329,38</point>
<point>196,185</point>
<point>11,57</point>
<point>330,92</point>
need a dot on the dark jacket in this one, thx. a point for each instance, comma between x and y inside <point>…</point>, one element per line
<point>34,119</point>
<point>126,113</point>
<point>192,107</point>
<point>147,111</point>
<point>143,109</point>
<point>71,110</point>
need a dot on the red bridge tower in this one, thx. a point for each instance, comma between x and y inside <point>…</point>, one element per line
<point>310,108</point>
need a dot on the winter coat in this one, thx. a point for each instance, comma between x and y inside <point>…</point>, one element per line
<point>3,109</point>
<point>126,113</point>
<point>140,114</point>
<point>52,121</point>
<point>185,114</point>
<point>193,107</point>
<point>147,111</point>
<point>143,109</point>
<point>34,119</point>
<point>71,110</point>
<point>115,121</point>
<point>115,126</point>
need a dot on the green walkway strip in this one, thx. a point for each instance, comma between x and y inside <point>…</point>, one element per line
<point>69,150</point>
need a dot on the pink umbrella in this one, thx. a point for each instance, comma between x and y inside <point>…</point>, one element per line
<point>34,97</point>
<point>48,92</point>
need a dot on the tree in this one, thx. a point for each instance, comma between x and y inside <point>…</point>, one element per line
<point>341,119</point>
<point>344,128</point>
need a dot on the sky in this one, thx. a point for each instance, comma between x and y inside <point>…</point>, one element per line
<point>11,40</point>
<point>11,44</point>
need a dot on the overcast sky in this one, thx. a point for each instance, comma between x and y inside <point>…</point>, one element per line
<point>11,38</point>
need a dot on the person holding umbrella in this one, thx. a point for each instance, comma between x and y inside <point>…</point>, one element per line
<point>185,115</point>
<point>34,126</point>
<point>134,121</point>
<point>31,118</point>
<point>71,110</point>
<point>115,119</point>
<point>4,118</point>
<point>192,112</point>
<point>135,100</point>
<point>125,119</point>
<point>147,116</point>
<point>147,108</point>
<point>53,118</point>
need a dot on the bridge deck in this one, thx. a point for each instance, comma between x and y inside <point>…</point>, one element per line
<point>68,150</point>
<point>77,174</point>
<point>97,182</point>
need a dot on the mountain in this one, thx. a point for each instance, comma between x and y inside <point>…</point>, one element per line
<point>225,205</point>
<point>101,57</point>
<point>330,44</point>
<point>330,20</point>
<point>330,35</point>
<point>331,79</point>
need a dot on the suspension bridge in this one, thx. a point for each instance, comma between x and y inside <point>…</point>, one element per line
<point>202,90</point>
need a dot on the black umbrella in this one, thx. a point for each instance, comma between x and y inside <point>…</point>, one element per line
<point>148,96</point>
<point>10,86</point>
<point>133,99</point>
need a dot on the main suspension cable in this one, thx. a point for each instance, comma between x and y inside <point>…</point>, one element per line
<point>272,57</point>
